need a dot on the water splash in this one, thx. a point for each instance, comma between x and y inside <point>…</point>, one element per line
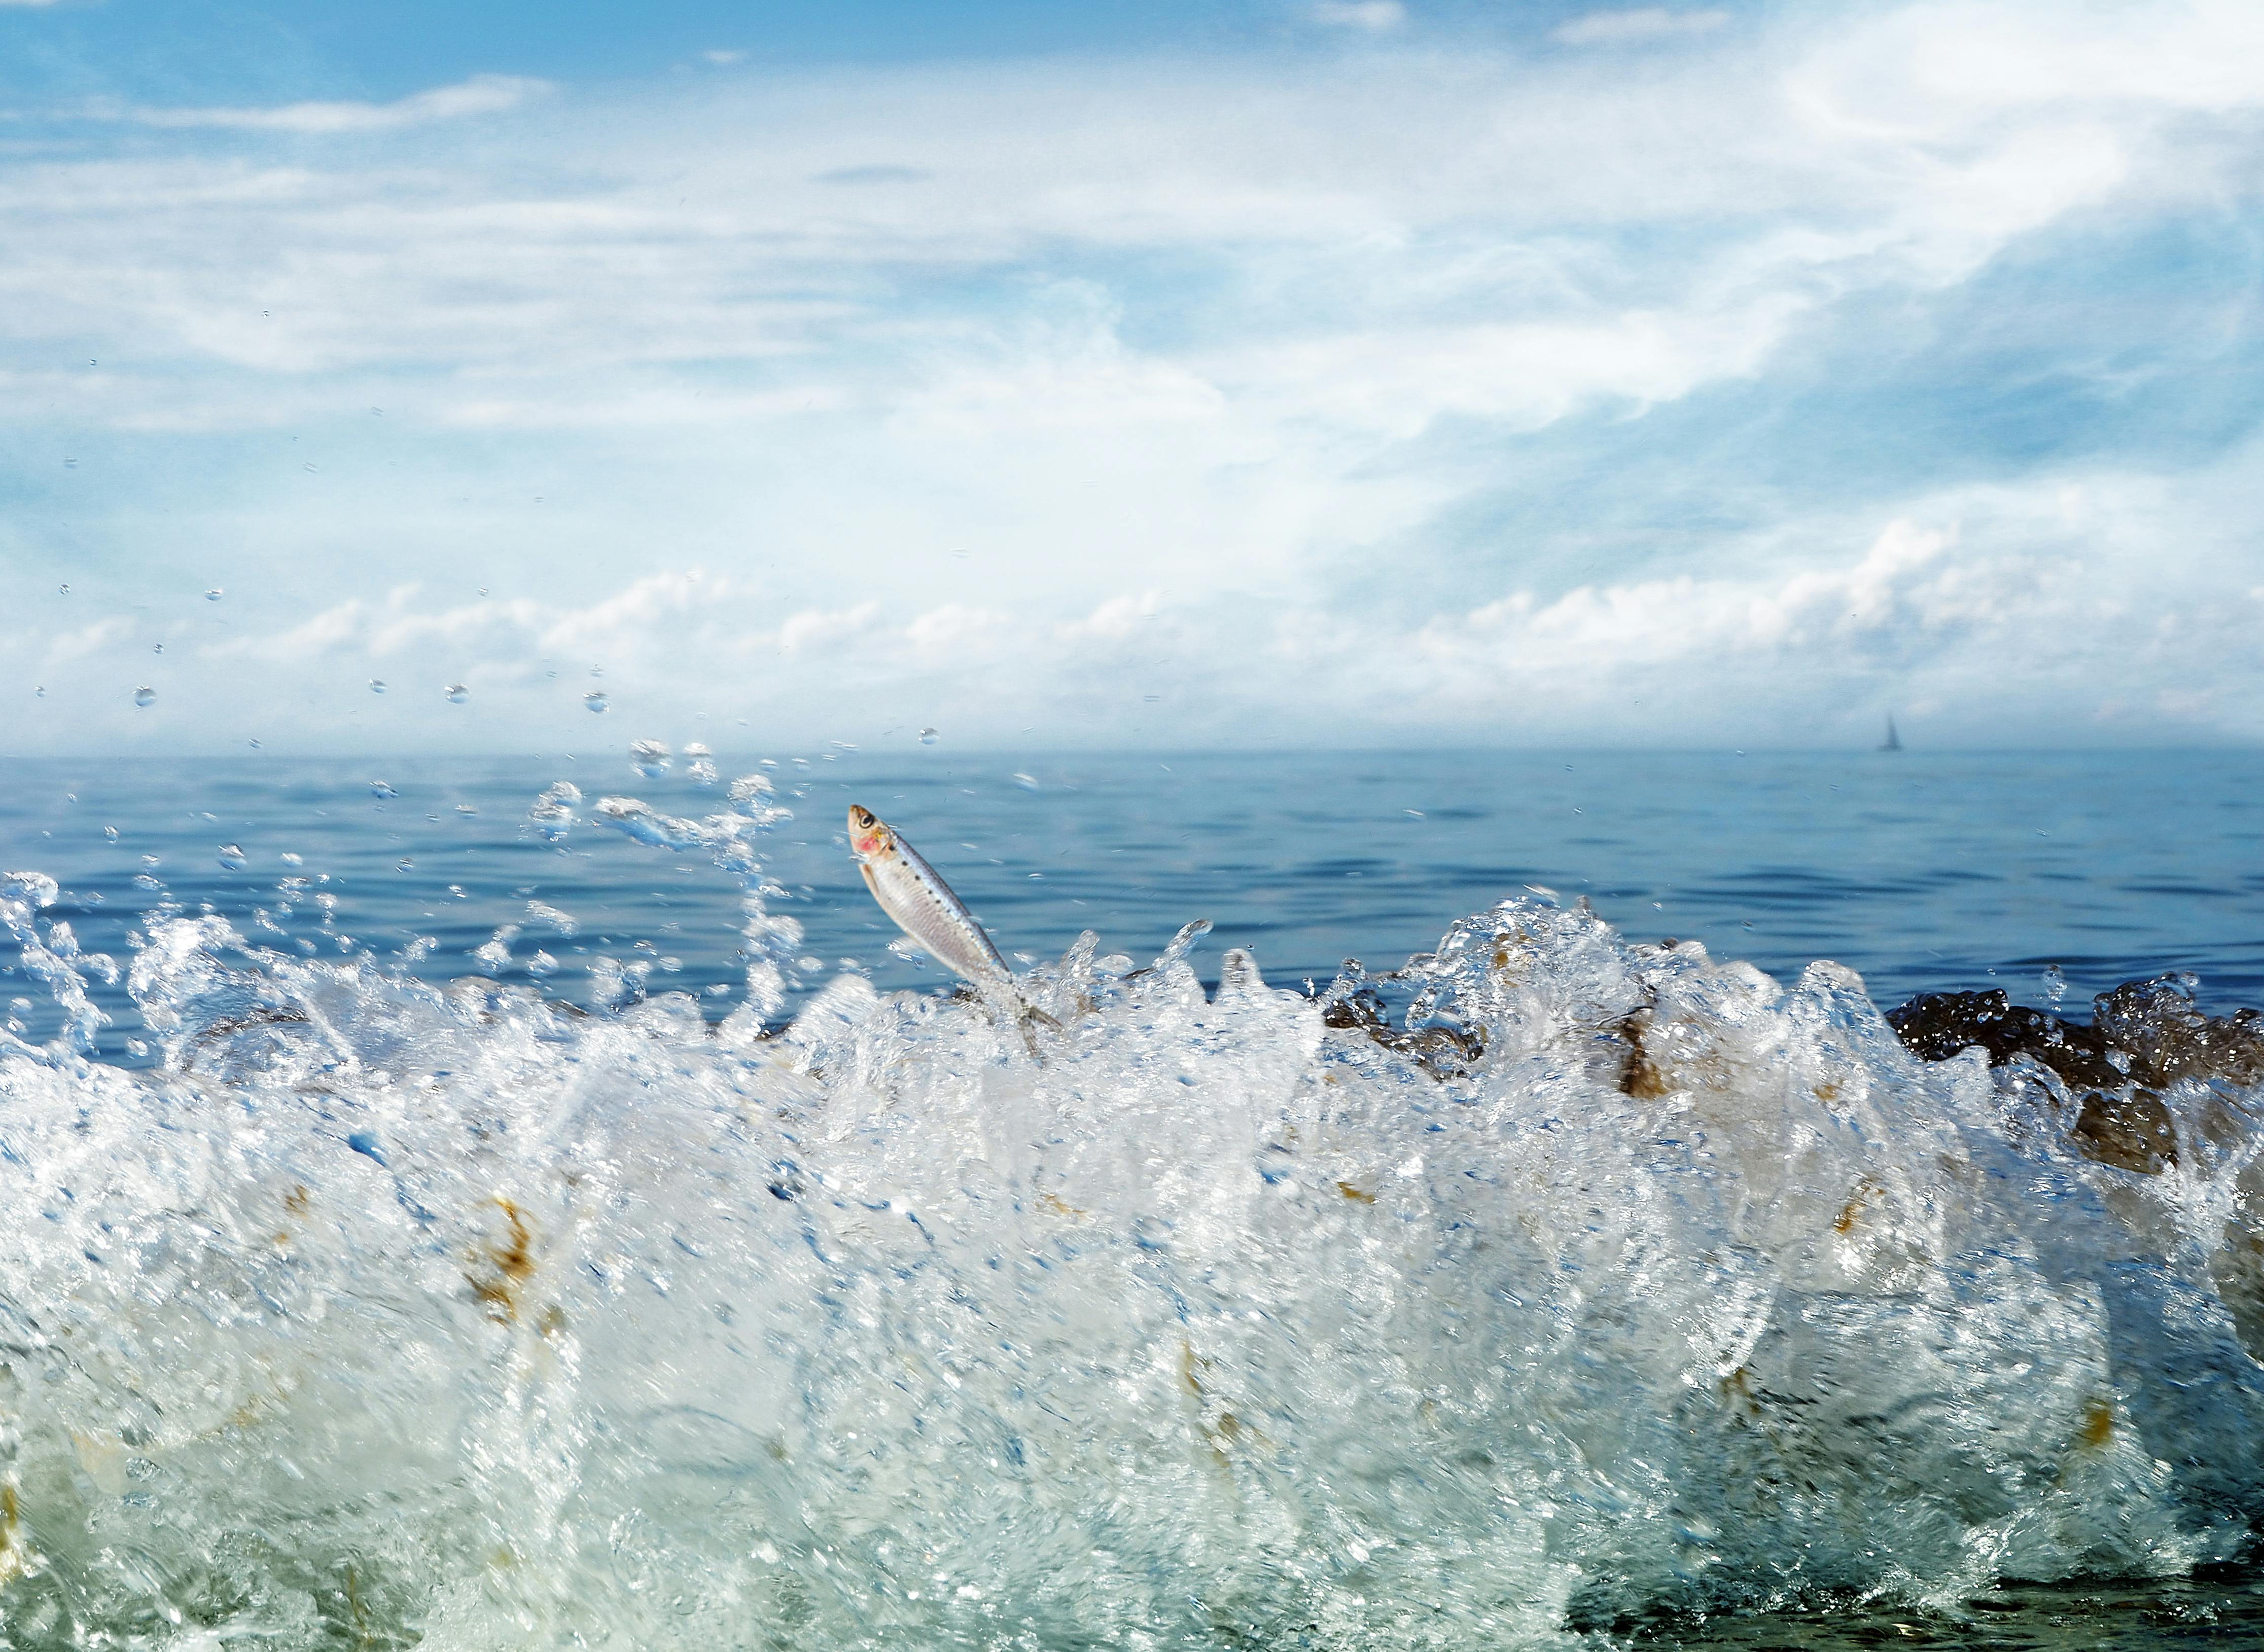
<point>386,1313</point>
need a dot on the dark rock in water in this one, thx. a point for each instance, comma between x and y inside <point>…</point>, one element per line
<point>1443,1052</point>
<point>2146,1035</point>
<point>1936,1025</point>
<point>2169,1038</point>
<point>2130,1133</point>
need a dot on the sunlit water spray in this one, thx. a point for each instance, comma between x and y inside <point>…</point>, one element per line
<point>1551,1280</point>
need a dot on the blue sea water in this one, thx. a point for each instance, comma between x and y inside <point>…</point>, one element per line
<point>1921,871</point>
<point>530,1203</point>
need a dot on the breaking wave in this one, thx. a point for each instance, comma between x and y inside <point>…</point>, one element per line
<point>1547,1283</point>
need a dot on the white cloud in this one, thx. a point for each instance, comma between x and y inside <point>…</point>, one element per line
<point>1627,28</point>
<point>1377,17</point>
<point>1268,346</point>
<point>481,95</point>
<point>720,57</point>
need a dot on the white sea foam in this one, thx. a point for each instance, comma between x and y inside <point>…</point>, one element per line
<point>388,1313</point>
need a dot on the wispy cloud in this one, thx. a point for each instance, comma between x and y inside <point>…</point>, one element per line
<point>1423,390</point>
<point>482,95</point>
<point>1377,17</point>
<point>1644,23</point>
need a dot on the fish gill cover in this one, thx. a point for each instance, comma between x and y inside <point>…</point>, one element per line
<point>1547,1282</point>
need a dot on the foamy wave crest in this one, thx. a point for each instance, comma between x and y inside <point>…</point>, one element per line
<point>1598,1279</point>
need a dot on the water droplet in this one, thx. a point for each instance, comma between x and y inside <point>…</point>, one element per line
<point>595,700</point>
<point>232,857</point>
<point>458,693</point>
<point>649,757</point>
<point>63,590</point>
<point>379,788</point>
<point>407,865</point>
<point>377,685</point>
<point>160,648</point>
<point>291,858</point>
<point>541,964</point>
<point>1027,782</point>
<point>145,695</point>
<point>927,736</point>
<point>2055,985</point>
<point>255,745</point>
<point>111,832</point>
<point>39,693</point>
<point>700,766</point>
<point>214,594</point>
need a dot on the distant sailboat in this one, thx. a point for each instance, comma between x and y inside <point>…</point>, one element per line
<point>1893,741</point>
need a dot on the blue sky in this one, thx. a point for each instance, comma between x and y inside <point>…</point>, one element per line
<point>1261,373</point>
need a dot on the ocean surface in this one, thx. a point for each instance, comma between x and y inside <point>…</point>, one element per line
<point>530,1202</point>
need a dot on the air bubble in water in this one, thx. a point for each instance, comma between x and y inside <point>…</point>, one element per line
<point>595,700</point>
<point>458,693</point>
<point>145,695</point>
<point>377,685</point>
<point>927,736</point>
<point>649,758</point>
<point>213,595</point>
<point>232,857</point>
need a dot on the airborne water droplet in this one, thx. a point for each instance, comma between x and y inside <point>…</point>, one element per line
<point>458,693</point>
<point>145,695</point>
<point>377,685</point>
<point>927,736</point>
<point>1027,782</point>
<point>232,857</point>
<point>379,788</point>
<point>649,758</point>
<point>596,701</point>
<point>111,832</point>
<point>213,595</point>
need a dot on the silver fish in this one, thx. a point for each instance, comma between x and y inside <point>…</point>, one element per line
<point>923,906</point>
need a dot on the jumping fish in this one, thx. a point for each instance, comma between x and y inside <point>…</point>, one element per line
<point>923,906</point>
